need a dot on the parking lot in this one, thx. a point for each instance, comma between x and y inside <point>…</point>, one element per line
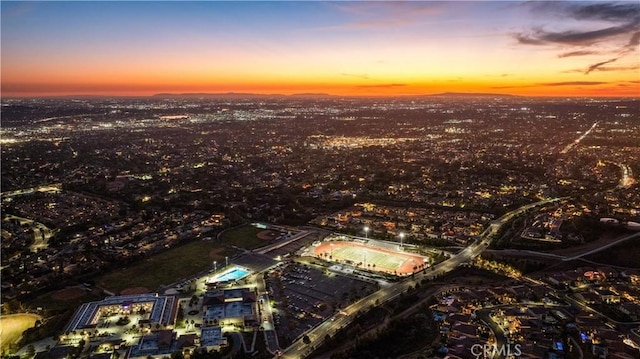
<point>305,296</point>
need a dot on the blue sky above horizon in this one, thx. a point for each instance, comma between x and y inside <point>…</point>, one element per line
<point>361,48</point>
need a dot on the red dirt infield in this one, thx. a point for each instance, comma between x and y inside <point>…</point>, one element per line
<point>409,261</point>
<point>267,235</point>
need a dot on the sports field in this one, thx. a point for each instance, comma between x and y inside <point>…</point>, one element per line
<point>248,236</point>
<point>12,326</point>
<point>373,258</point>
<point>166,267</point>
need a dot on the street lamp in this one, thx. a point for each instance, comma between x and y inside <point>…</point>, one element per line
<point>366,231</point>
<point>401,238</point>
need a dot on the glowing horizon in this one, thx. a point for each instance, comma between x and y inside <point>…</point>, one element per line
<point>338,48</point>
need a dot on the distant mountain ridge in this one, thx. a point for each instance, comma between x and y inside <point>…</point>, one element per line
<point>250,95</point>
<point>317,95</point>
<point>470,94</point>
<point>237,95</point>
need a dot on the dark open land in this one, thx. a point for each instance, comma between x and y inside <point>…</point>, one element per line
<point>244,237</point>
<point>65,299</point>
<point>167,267</point>
<point>625,254</point>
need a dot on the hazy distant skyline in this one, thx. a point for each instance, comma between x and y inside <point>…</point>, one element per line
<point>340,48</point>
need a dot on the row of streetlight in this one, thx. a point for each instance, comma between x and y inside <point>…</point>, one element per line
<point>215,263</point>
<point>366,235</point>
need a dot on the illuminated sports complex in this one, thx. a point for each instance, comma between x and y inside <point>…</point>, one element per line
<point>152,308</point>
<point>370,256</point>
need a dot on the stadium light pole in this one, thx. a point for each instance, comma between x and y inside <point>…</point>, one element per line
<point>366,231</point>
<point>401,238</point>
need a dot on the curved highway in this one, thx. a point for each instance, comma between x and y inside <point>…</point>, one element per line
<point>334,323</point>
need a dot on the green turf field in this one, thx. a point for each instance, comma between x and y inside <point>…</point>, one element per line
<point>55,304</point>
<point>382,260</point>
<point>12,326</point>
<point>166,267</point>
<point>244,237</point>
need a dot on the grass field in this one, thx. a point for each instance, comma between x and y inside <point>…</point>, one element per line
<point>244,237</point>
<point>382,261</point>
<point>55,304</point>
<point>378,259</point>
<point>12,326</point>
<point>166,267</point>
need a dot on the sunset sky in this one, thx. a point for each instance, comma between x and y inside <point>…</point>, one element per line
<point>340,48</point>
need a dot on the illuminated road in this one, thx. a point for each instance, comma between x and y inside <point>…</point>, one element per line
<point>54,187</point>
<point>41,233</point>
<point>334,323</point>
<point>576,142</point>
<point>627,180</point>
<point>266,320</point>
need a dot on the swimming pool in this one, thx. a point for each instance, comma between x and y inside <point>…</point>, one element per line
<point>231,274</point>
<point>438,316</point>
